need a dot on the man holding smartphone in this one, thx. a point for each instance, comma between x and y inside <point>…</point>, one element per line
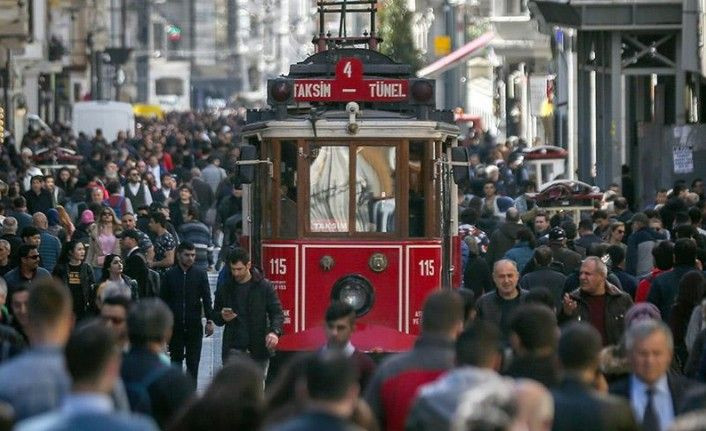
<point>248,306</point>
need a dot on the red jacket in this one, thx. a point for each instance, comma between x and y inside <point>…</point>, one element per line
<point>394,385</point>
<point>643,288</point>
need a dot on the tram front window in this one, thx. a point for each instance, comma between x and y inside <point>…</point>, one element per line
<point>329,186</point>
<point>375,189</point>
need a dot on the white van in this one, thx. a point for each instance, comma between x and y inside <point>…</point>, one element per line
<point>111,117</point>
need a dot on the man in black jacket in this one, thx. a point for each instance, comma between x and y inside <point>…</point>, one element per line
<point>544,276</point>
<point>38,198</point>
<point>665,286</point>
<point>577,405</point>
<point>186,291</point>
<point>534,336</point>
<point>497,306</point>
<point>250,310</point>
<point>503,239</point>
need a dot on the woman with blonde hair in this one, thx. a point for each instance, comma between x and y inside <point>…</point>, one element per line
<point>103,239</point>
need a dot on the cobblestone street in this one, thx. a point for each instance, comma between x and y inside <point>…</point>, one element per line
<point>211,348</point>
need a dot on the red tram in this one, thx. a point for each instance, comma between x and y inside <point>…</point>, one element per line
<point>350,191</point>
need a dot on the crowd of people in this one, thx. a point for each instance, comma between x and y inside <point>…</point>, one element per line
<point>590,324</point>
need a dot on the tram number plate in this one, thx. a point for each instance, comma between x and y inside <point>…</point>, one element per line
<point>426,268</point>
<point>278,266</point>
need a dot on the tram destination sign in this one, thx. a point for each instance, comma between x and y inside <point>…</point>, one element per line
<point>349,86</point>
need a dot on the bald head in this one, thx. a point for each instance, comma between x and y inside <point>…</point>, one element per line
<point>40,220</point>
<point>535,405</point>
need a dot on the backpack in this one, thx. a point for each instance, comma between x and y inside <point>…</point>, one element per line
<point>138,392</point>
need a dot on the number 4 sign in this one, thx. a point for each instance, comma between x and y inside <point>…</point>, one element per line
<point>350,85</point>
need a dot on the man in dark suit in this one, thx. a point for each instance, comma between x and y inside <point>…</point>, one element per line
<point>135,261</point>
<point>655,395</point>
<point>577,405</point>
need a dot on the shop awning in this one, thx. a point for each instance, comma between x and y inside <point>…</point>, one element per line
<point>449,61</point>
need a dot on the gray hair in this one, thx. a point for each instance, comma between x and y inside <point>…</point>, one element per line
<point>600,265</point>
<point>501,403</point>
<point>5,243</point>
<point>639,331</point>
<point>489,405</point>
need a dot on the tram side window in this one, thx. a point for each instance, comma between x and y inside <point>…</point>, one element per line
<point>288,190</point>
<point>375,189</point>
<point>329,186</point>
<point>416,189</point>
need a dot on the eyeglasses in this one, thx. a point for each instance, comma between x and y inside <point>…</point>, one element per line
<point>35,257</point>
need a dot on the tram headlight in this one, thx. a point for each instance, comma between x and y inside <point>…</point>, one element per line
<point>355,291</point>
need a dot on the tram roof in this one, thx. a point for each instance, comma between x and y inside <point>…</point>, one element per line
<point>337,128</point>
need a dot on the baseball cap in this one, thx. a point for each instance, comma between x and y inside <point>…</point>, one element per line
<point>557,234</point>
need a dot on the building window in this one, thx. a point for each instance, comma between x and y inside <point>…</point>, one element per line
<point>169,86</point>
